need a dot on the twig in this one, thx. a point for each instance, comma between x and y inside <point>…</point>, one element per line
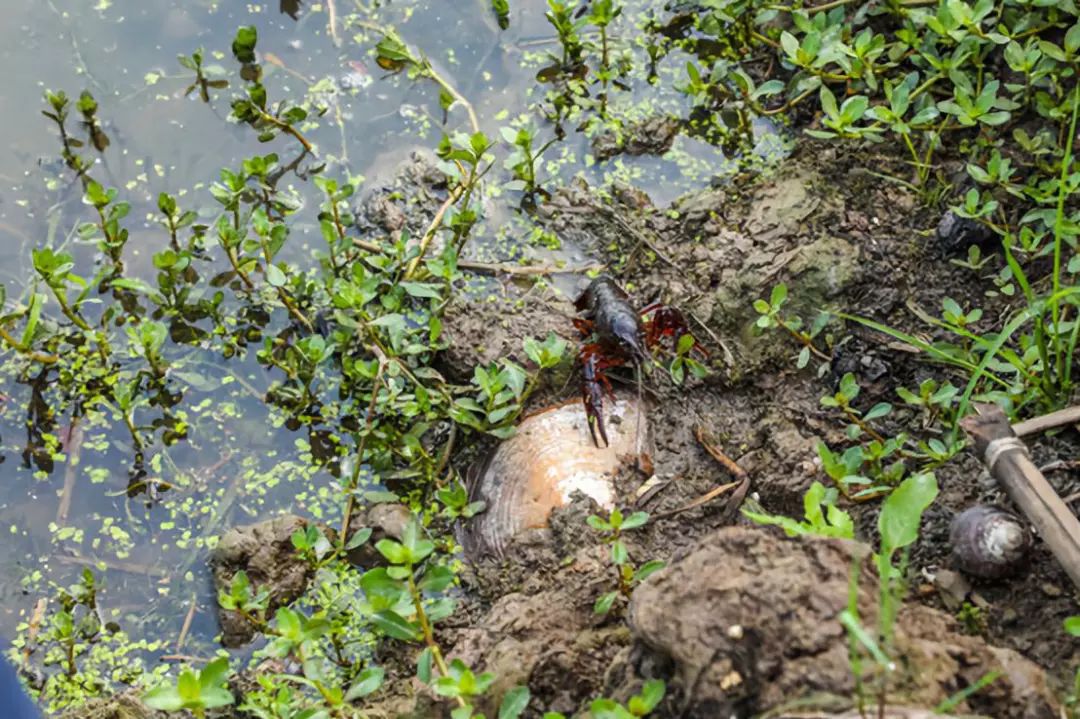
<point>187,624</point>
<point>111,565</point>
<point>331,11</point>
<point>182,658</point>
<point>369,421</point>
<point>1036,425</point>
<point>71,471</point>
<point>703,499</point>
<point>499,268</point>
<point>740,485</point>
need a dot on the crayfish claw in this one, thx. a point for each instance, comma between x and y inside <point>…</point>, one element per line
<point>592,396</point>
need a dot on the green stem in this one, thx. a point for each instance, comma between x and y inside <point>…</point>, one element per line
<point>425,628</point>
<point>355,479</point>
<point>23,349</point>
<point>1059,223</point>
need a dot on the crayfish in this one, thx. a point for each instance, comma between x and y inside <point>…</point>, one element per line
<point>618,334</point>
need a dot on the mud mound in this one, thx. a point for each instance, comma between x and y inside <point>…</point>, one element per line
<point>749,620</point>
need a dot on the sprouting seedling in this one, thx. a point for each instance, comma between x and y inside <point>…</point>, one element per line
<point>611,530</point>
<point>196,691</point>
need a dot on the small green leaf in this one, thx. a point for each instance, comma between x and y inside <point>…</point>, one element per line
<point>514,703</point>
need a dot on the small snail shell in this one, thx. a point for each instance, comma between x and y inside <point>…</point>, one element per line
<point>988,542</point>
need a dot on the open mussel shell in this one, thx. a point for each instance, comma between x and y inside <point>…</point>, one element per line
<point>988,542</point>
<point>549,458</point>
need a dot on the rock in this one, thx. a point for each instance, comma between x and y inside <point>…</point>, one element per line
<point>266,553</point>
<point>785,595</point>
<point>479,331</point>
<point>653,136</point>
<point>406,201</point>
<point>955,233</point>
<point>386,521</point>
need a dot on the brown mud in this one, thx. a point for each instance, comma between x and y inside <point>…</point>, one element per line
<point>841,239</point>
<point>743,622</point>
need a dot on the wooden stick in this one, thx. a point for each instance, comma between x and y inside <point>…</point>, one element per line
<point>740,485</point>
<point>1035,425</point>
<point>71,471</point>
<point>1007,458</point>
<point>498,268</point>
<point>187,623</point>
<point>703,499</point>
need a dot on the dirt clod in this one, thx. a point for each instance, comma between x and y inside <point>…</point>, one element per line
<point>265,552</point>
<point>785,595</point>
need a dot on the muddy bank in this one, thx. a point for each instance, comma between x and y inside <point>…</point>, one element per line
<point>840,239</point>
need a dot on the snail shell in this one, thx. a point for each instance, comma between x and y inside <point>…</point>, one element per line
<point>988,542</point>
<point>550,457</point>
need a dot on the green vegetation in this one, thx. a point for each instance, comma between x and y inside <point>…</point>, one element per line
<point>347,333</point>
<point>611,531</point>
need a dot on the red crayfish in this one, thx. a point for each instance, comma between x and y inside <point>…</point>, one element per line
<point>618,334</point>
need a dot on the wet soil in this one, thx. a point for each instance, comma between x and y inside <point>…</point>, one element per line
<point>841,238</point>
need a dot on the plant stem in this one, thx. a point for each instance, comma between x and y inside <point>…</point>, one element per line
<point>425,627</point>
<point>287,128</point>
<point>1059,223</point>
<point>368,422</point>
<point>452,91</point>
<point>429,234</point>
<point>23,349</point>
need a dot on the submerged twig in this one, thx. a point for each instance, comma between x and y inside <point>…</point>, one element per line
<point>187,623</point>
<point>71,471</point>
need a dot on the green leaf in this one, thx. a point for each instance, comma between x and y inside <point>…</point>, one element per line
<point>1072,625</point>
<point>369,680</point>
<point>635,520</point>
<point>902,511</point>
<point>214,673</point>
<point>514,703</point>
<point>164,698</point>
<point>878,410</point>
<point>650,697</point>
<point>423,666</point>
<point>275,276</point>
<point>394,625</point>
<point>603,604</point>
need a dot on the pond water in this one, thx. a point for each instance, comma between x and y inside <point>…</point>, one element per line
<point>240,462</point>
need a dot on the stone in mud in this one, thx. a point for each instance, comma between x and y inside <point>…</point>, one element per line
<point>780,232</point>
<point>386,521</point>
<point>266,553</point>
<point>481,330</point>
<point>407,201</point>
<point>653,136</point>
<point>750,622</point>
<point>955,233</point>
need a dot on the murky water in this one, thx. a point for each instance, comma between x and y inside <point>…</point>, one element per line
<point>239,464</point>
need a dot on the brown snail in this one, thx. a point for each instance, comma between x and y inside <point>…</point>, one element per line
<point>988,542</point>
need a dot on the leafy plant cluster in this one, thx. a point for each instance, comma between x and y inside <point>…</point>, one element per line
<point>350,342</point>
<point>991,84</point>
